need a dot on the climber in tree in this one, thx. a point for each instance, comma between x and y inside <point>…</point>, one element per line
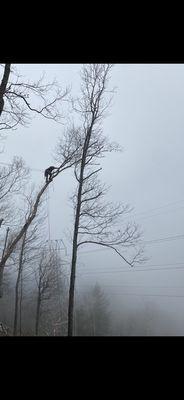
<point>48,173</point>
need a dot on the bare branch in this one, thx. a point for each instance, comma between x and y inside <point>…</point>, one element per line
<point>19,99</point>
<point>69,159</point>
<point>106,245</point>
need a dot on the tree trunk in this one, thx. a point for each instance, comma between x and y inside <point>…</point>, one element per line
<point>17,286</point>
<point>38,314</point>
<point>74,260</point>
<point>20,307</point>
<point>71,290</point>
<point>3,85</point>
<point>16,306</point>
<point>75,235</point>
<point>2,264</point>
<point>1,278</point>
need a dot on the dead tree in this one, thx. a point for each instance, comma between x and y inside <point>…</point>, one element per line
<point>68,160</point>
<point>95,220</point>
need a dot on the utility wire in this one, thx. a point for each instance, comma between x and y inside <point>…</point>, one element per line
<point>136,286</point>
<point>147,265</point>
<point>156,240</point>
<point>152,241</point>
<point>142,213</point>
<point>145,295</point>
<point>141,294</point>
<point>132,270</point>
<point>32,169</point>
<point>134,215</point>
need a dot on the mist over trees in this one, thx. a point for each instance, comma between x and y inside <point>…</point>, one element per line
<point>39,294</point>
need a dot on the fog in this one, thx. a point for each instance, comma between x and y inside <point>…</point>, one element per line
<point>146,118</point>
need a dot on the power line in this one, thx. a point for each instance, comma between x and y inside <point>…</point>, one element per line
<point>132,270</point>
<point>134,215</point>
<point>85,270</point>
<point>156,240</point>
<point>138,286</point>
<point>150,265</point>
<point>32,169</point>
<point>156,208</point>
<point>142,294</point>
<point>167,238</point>
<point>145,295</point>
<point>157,214</point>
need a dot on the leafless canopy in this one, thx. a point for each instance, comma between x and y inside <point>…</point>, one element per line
<point>68,159</point>
<point>98,219</point>
<point>13,179</point>
<point>20,98</point>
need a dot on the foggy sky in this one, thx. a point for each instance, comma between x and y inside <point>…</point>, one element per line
<point>147,119</point>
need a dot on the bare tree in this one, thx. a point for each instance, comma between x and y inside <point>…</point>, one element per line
<point>68,159</point>
<point>46,281</point>
<point>95,220</point>
<point>13,179</point>
<point>27,254</point>
<point>19,98</point>
<point>18,236</point>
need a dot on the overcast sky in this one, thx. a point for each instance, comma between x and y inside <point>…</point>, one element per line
<point>147,119</point>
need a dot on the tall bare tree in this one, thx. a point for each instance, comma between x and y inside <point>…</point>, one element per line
<point>95,220</point>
